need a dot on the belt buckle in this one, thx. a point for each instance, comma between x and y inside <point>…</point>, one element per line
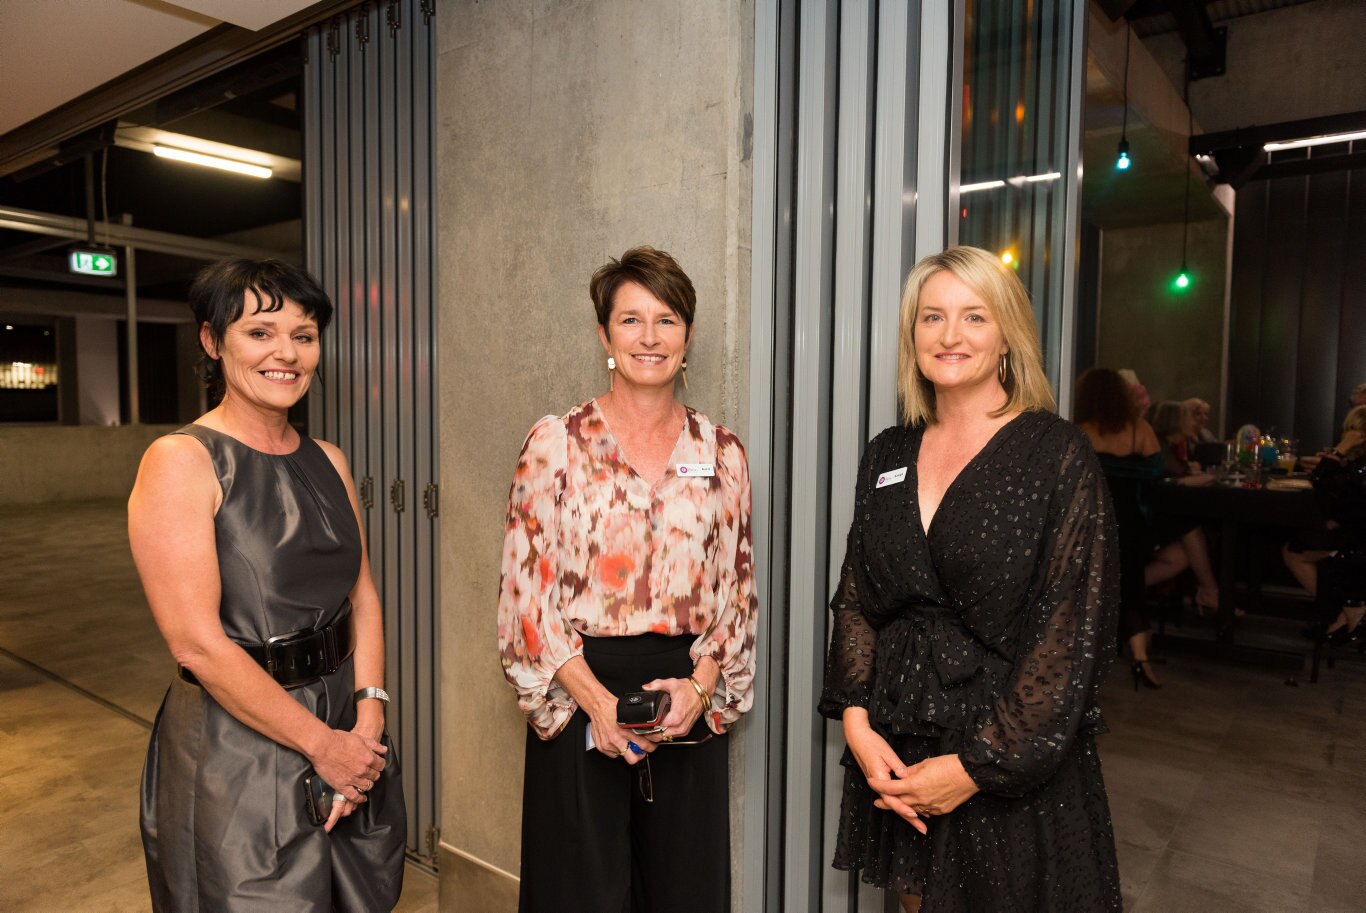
<point>282,640</point>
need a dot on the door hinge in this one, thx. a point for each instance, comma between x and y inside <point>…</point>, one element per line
<point>392,16</point>
<point>367,492</point>
<point>396,496</point>
<point>431,500</point>
<point>363,26</point>
<point>433,841</point>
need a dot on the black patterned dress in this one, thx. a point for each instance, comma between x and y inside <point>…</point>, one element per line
<point>985,637</point>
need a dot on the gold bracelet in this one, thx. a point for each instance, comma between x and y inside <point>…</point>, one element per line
<point>701,693</point>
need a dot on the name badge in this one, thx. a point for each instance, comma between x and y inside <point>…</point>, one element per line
<point>891,478</point>
<point>705,470</point>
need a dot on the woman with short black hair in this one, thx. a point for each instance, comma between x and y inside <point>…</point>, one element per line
<point>270,782</point>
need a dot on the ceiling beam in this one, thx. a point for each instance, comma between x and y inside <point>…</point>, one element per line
<point>74,229</point>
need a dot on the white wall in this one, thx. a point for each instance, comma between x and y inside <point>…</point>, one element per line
<point>97,370</point>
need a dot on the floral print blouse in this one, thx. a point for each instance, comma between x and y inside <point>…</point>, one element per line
<point>593,549</point>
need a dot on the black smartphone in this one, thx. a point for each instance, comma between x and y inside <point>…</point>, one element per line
<point>318,798</point>
<point>643,711</point>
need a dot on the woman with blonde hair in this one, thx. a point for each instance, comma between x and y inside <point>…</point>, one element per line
<point>973,620</point>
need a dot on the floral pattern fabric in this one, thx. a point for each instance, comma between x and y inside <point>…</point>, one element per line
<point>593,549</point>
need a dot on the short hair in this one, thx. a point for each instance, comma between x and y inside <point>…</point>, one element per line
<point>1026,385</point>
<point>653,270</point>
<point>218,298</point>
<point>1104,400</point>
<point>1169,417</point>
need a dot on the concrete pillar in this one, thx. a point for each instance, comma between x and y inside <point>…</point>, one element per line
<point>567,133</point>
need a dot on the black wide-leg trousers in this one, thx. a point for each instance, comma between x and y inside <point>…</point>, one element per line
<point>591,842</point>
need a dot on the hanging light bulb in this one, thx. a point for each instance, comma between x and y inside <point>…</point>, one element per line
<point>1122,160</point>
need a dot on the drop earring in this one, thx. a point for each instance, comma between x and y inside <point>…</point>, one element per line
<point>685,374</point>
<point>611,373</point>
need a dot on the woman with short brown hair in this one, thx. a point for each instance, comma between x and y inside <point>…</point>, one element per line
<point>626,569</point>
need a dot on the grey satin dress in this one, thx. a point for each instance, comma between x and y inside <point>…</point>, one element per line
<point>224,826</point>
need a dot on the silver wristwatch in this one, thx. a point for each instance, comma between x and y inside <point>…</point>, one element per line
<point>378,694</point>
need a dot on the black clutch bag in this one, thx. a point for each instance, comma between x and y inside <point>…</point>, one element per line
<point>643,711</point>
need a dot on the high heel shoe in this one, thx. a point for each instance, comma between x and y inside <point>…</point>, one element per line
<point>1206,601</point>
<point>1143,674</point>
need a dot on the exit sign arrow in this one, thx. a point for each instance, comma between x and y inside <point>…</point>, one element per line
<point>94,263</point>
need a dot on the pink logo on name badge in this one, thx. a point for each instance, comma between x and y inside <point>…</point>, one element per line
<point>881,480</point>
<point>682,470</point>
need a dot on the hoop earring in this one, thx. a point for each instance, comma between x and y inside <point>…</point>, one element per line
<point>685,374</point>
<point>1003,370</point>
<point>611,373</point>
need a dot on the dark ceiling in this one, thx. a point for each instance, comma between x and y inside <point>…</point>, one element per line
<point>254,105</point>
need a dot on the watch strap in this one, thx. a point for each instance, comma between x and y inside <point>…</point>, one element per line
<point>378,694</point>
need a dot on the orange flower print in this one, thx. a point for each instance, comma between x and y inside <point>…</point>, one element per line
<point>533,640</point>
<point>615,570</point>
<point>547,570</point>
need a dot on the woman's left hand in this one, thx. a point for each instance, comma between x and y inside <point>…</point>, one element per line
<point>935,786</point>
<point>685,706</point>
<point>369,723</point>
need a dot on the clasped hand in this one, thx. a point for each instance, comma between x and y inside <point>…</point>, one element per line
<point>685,706</point>
<point>351,763</point>
<point>935,786</point>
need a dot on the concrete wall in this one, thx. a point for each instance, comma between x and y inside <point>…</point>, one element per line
<point>1287,64</point>
<point>45,463</point>
<point>568,132</point>
<point>1173,340</point>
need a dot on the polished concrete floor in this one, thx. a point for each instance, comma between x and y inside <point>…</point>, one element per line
<point>82,673</point>
<point>1231,792</point>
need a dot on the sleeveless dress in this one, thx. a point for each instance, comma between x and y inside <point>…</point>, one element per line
<point>985,636</point>
<point>224,826</point>
<point>1129,478</point>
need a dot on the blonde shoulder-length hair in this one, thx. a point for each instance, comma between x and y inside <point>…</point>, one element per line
<point>1026,385</point>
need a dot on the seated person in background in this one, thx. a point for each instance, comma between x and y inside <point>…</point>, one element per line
<point>1200,413</point>
<point>1139,392</point>
<point>1358,396</point>
<point>1131,458</point>
<point>1340,486</point>
<point>1180,540</point>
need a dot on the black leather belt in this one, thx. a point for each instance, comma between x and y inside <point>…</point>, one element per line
<point>300,657</point>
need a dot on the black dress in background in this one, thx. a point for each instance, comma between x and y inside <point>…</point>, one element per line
<point>1129,478</point>
<point>985,638</point>
<point>224,827</point>
<point>1340,489</point>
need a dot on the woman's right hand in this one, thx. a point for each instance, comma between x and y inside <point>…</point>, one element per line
<point>348,760</point>
<point>613,741</point>
<point>876,758</point>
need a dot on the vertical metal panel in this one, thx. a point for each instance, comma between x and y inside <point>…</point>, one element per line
<point>1067,244</point>
<point>423,659</point>
<point>320,402</point>
<point>1316,375</point>
<point>896,161</point>
<point>811,402</point>
<point>760,814</point>
<point>848,429</point>
<point>1285,258</point>
<point>1249,257</point>
<point>371,237</point>
<point>1351,336</point>
<point>937,57</point>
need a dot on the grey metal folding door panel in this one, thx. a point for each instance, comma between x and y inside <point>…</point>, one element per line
<point>371,241</point>
<point>858,129</point>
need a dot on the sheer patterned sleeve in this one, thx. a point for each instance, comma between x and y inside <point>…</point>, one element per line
<point>533,637</point>
<point>729,639</point>
<point>853,642</point>
<point>1067,639</point>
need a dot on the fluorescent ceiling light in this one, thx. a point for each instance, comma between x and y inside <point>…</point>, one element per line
<point>211,161</point>
<point>1315,141</point>
<point>984,185</point>
<point>1050,176</point>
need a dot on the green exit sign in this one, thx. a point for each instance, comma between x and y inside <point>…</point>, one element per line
<point>94,262</point>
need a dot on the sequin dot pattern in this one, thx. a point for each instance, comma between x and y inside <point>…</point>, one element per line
<point>984,637</point>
